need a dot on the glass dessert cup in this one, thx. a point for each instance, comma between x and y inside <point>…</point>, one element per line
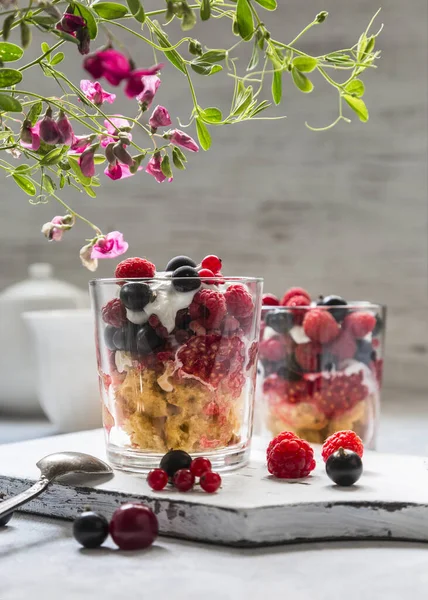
<point>315,388</point>
<point>179,371</point>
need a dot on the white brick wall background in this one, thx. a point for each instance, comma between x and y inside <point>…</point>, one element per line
<point>337,212</point>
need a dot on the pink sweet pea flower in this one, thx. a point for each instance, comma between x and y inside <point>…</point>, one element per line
<point>150,85</point>
<point>109,246</point>
<point>80,143</point>
<point>30,136</point>
<point>95,93</point>
<point>87,163</point>
<point>141,79</point>
<point>154,168</point>
<point>71,23</point>
<point>65,129</point>
<point>48,129</point>
<point>179,138</point>
<point>111,64</point>
<point>111,129</point>
<point>160,118</point>
<point>119,171</point>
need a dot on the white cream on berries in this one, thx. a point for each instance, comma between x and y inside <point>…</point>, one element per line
<point>138,317</point>
<point>298,334</point>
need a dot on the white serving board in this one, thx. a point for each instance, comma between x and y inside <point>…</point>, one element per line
<point>252,509</point>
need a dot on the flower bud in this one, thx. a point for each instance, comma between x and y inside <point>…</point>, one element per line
<point>321,17</point>
<point>84,40</point>
<point>160,118</point>
<point>86,161</point>
<point>195,48</point>
<point>111,158</point>
<point>122,154</point>
<point>25,133</point>
<point>49,131</point>
<point>71,23</point>
<point>65,129</point>
<point>85,256</point>
<point>137,161</point>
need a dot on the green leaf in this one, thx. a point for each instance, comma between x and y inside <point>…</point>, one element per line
<point>302,82</point>
<point>244,19</point>
<point>305,64</point>
<point>99,159</point>
<point>10,52</point>
<point>361,47</point>
<point>45,47</point>
<point>109,10</point>
<point>166,166</point>
<point>48,184</point>
<point>340,58</point>
<point>59,57</point>
<point>25,184</point>
<point>35,112</point>
<point>277,87</point>
<point>243,100</point>
<point>176,159</point>
<point>89,191</point>
<point>52,157</point>
<point>65,36</point>
<point>9,77</point>
<point>172,55</point>
<point>204,136</point>
<point>205,10</point>
<point>358,106</point>
<point>213,56</point>
<point>268,4</point>
<point>355,88</point>
<point>26,34</point>
<point>22,168</point>
<point>7,25</point>
<point>254,61</point>
<point>45,21</point>
<point>90,17</point>
<point>137,10</point>
<point>74,164</point>
<point>9,104</point>
<point>205,68</point>
<point>211,115</point>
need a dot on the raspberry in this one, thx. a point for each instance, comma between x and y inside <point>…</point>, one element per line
<point>231,324</point>
<point>290,458</point>
<point>377,368</point>
<point>212,262</point>
<point>348,440</point>
<point>114,313</point>
<point>300,303</point>
<point>272,349</point>
<point>308,356</point>
<point>296,291</point>
<point>360,323</point>
<point>209,308</point>
<point>134,267</point>
<point>270,300</point>
<point>285,435</point>
<point>252,355</point>
<point>320,326</point>
<point>344,346</point>
<point>239,301</point>
<point>335,395</point>
<point>276,385</point>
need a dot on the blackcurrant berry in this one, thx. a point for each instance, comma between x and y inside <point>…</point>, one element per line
<point>109,333</point>
<point>364,352</point>
<point>148,340</point>
<point>378,327</point>
<point>344,467</point>
<point>186,279</point>
<point>136,296</point>
<point>90,529</point>
<point>281,321</point>
<point>339,313</point>
<point>174,460</point>
<point>179,261</point>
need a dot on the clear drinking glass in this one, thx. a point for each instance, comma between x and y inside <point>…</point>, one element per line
<point>179,371</point>
<point>315,388</point>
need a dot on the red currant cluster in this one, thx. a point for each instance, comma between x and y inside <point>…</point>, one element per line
<point>178,468</point>
<point>133,526</point>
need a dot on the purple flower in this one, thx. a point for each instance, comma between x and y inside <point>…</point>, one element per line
<point>141,80</point>
<point>111,64</point>
<point>112,126</point>
<point>154,168</point>
<point>160,118</point>
<point>179,138</point>
<point>109,246</point>
<point>95,93</point>
<point>84,40</point>
<point>71,23</point>
<point>80,143</point>
<point>30,136</point>
<point>65,129</point>
<point>48,130</point>
<point>119,171</point>
<point>149,86</point>
<point>87,163</point>
<point>54,230</point>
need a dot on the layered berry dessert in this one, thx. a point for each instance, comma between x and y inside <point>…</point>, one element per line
<point>177,355</point>
<point>320,365</point>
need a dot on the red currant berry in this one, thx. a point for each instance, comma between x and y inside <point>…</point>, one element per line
<point>184,480</point>
<point>210,482</point>
<point>205,273</point>
<point>134,526</point>
<point>157,479</point>
<point>200,466</point>
<point>270,300</point>
<point>212,262</point>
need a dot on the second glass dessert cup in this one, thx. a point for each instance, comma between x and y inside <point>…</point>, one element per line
<point>177,370</point>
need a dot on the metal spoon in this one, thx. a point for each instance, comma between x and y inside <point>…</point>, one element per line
<point>54,466</point>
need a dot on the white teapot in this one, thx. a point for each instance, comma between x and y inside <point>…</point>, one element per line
<point>18,373</point>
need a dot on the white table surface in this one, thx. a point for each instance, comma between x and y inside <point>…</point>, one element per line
<point>39,559</point>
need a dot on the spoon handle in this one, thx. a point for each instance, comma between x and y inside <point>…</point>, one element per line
<point>15,502</point>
